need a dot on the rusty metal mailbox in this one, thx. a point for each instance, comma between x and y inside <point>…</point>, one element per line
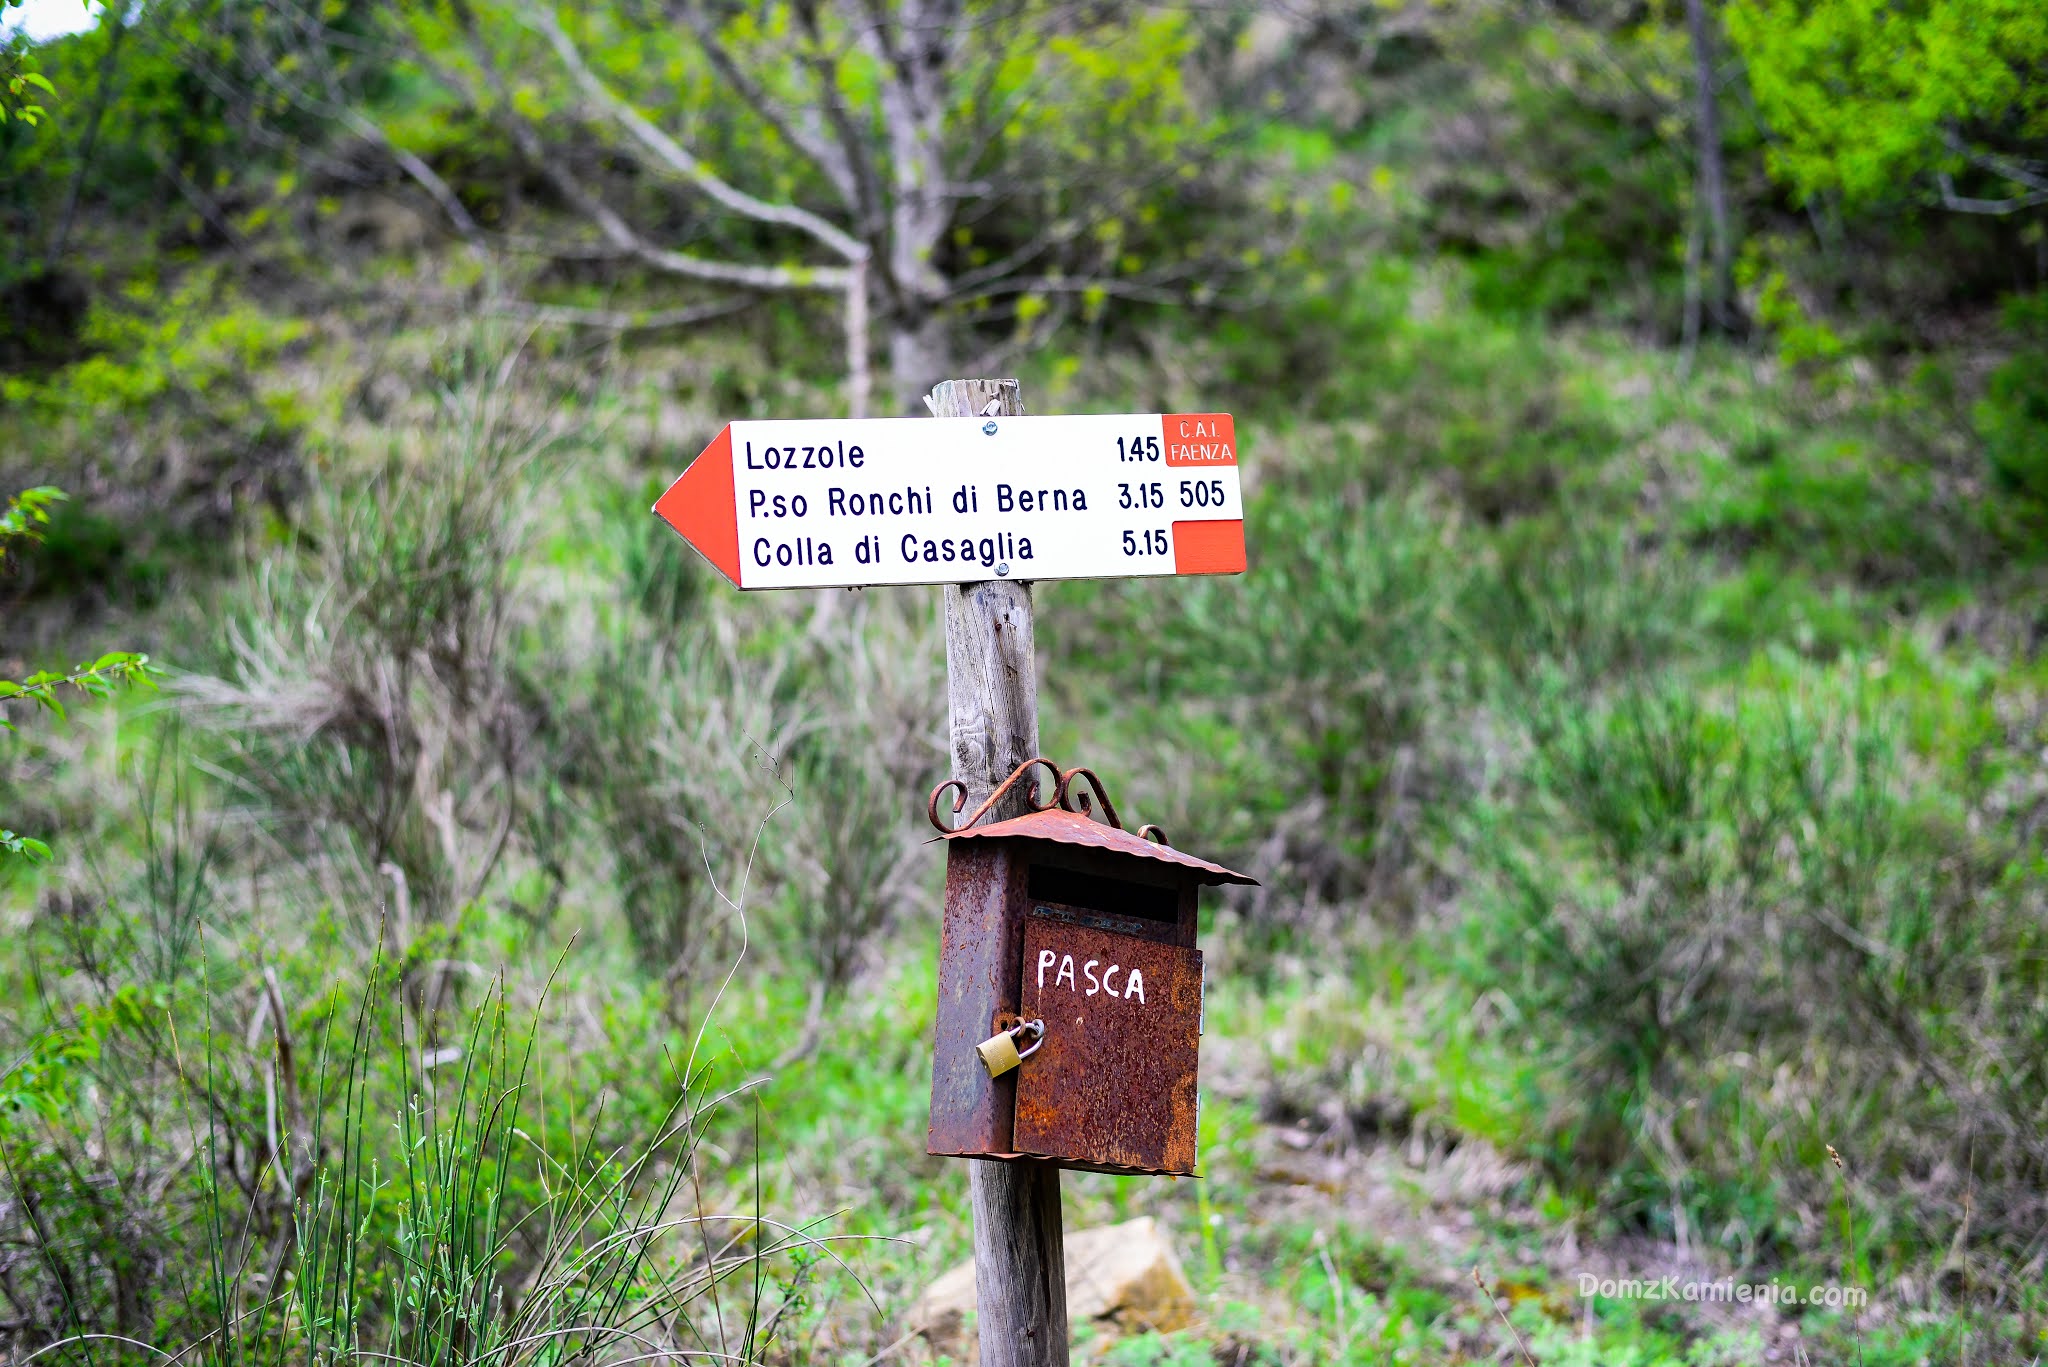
<point>1076,937</point>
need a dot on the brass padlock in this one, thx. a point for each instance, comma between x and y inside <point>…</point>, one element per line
<point>999,1052</point>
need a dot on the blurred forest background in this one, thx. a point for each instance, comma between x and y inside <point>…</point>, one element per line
<point>475,934</point>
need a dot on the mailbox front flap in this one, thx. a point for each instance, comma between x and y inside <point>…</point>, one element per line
<point>1114,1081</point>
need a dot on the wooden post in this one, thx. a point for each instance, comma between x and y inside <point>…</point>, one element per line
<point>1020,1268</point>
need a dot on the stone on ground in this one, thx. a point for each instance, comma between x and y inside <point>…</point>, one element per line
<point>1121,1279</point>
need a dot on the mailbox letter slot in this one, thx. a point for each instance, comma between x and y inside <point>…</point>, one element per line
<point>1093,892</point>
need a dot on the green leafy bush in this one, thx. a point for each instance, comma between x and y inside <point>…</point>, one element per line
<point>2012,417</point>
<point>26,519</point>
<point>170,416</point>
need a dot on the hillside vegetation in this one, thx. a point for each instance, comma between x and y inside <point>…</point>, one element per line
<point>476,934</point>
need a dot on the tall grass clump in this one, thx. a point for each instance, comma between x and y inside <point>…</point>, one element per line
<point>479,1224</point>
<point>691,708</point>
<point>374,700</point>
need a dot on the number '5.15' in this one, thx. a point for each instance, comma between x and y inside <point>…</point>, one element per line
<point>1152,541</point>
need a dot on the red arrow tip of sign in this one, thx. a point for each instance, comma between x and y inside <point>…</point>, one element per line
<point>700,506</point>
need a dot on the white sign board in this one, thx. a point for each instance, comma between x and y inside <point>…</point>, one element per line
<point>829,503</point>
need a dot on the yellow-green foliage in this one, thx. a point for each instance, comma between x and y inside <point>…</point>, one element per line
<point>1860,94</point>
<point>195,341</point>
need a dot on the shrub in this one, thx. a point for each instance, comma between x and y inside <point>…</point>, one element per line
<point>1745,923</point>
<point>374,694</point>
<point>167,414</point>
<point>2012,417</point>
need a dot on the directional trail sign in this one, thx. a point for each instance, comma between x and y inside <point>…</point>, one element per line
<point>859,501</point>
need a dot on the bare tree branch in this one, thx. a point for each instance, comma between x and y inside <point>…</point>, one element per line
<point>619,320</point>
<point>202,203</point>
<point>608,221</point>
<point>814,149</point>
<point>973,284</point>
<point>423,175</point>
<point>1963,204</point>
<point>620,234</point>
<point>1152,291</point>
<point>2017,170</point>
<point>332,102</point>
<point>852,145</point>
<point>2032,174</point>
<point>521,244</point>
<point>679,160</point>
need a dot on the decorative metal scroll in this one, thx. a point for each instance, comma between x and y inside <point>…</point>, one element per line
<point>1066,793</point>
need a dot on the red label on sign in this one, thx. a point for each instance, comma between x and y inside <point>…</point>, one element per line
<point>1208,547</point>
<point>1199,438</point>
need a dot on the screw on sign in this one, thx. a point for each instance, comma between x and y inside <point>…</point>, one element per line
<point>983,500</point>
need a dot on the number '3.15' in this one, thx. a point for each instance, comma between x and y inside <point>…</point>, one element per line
<point>1141,495</point>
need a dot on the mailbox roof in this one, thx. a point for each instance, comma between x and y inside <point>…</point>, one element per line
<point>1070,828</point>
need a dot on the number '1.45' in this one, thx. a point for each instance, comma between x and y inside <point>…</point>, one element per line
<point>1137,448</point>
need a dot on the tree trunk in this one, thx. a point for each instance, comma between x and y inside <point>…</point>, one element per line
<point>916,51</point>
<point>918,358</point>
<point>1689,327</point>
<point>859,379</point>
<point>1712,189</point>
<point>117,16</point>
